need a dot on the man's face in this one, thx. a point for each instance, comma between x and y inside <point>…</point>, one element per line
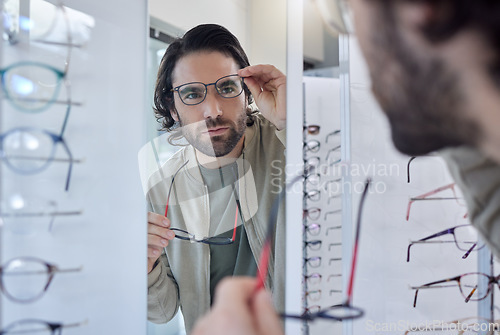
<point>215,126</point>
<point>416,88</point>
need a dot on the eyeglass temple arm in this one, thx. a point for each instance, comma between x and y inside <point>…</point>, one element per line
<point>425,195</point>
<point>335,132</point>
<point>469,251</point>
<point>332,150</point>
<point>430,285</point>
<point>70,164</point>
<point>408,168</point>
<point>441,233</point>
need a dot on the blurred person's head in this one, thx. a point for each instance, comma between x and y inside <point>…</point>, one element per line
<point>435,70</point>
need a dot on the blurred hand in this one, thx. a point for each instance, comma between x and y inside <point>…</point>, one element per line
<point>268,87</point>
<point>238,309</point>
<point>159,235</point>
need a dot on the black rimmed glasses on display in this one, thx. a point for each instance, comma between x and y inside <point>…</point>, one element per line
<point>464,237</point>
<point>38,327</point>
<point>344,311</point>
<point>26,279</point>
<point>473,286</point>
<point>185,235</point>
<point>195,93</point>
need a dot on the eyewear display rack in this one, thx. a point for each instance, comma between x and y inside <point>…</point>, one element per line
<point>72,210</point>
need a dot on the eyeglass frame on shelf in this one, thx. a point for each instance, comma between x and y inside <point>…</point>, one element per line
<point>491,281</point>
<point>52,269</point>
<point>451,231</point>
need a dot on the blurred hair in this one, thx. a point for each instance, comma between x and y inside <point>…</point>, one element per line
<point>483,16</point>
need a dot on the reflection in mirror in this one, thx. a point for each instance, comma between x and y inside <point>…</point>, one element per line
<point>213,165</point>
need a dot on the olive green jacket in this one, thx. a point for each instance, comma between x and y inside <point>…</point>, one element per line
<point>182,278</point>
<point>479,179</point>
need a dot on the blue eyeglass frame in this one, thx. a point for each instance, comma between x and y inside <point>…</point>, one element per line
<point>176,89</point>
<point>55,139</point>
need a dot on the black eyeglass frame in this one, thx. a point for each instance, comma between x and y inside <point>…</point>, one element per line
<point>177,89</point>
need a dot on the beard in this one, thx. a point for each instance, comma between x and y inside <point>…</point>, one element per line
<point>420,95</point>
<point>215,146</point>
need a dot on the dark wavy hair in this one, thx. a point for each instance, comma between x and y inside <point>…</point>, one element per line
<point>481,15</point>
<point>205,37</point>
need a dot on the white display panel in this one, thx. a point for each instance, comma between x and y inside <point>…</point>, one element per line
<point>108,239</point>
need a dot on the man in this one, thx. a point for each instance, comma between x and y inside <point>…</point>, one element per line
<point>216,190</point>
<point>435,70</point>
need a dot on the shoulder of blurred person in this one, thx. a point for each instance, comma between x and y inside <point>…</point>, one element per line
<point>478,177</point>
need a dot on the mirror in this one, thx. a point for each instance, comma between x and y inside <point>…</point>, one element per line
<point>249,184</point>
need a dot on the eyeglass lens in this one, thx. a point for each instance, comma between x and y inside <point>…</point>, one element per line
<point>474,286</point>
<point>31,86</point>
<point>25,280</point>
<point>27,150</point>
<point>195,93</point>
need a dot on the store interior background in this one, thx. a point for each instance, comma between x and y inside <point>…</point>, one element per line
<point>116,120</point>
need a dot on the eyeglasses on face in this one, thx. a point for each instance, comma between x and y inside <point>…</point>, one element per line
<point>26,279</point>
<point>213,240</point>
<point>473,286</point>
<point>38,327</point>
<point>464,237</point>
<point>195,93</point>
